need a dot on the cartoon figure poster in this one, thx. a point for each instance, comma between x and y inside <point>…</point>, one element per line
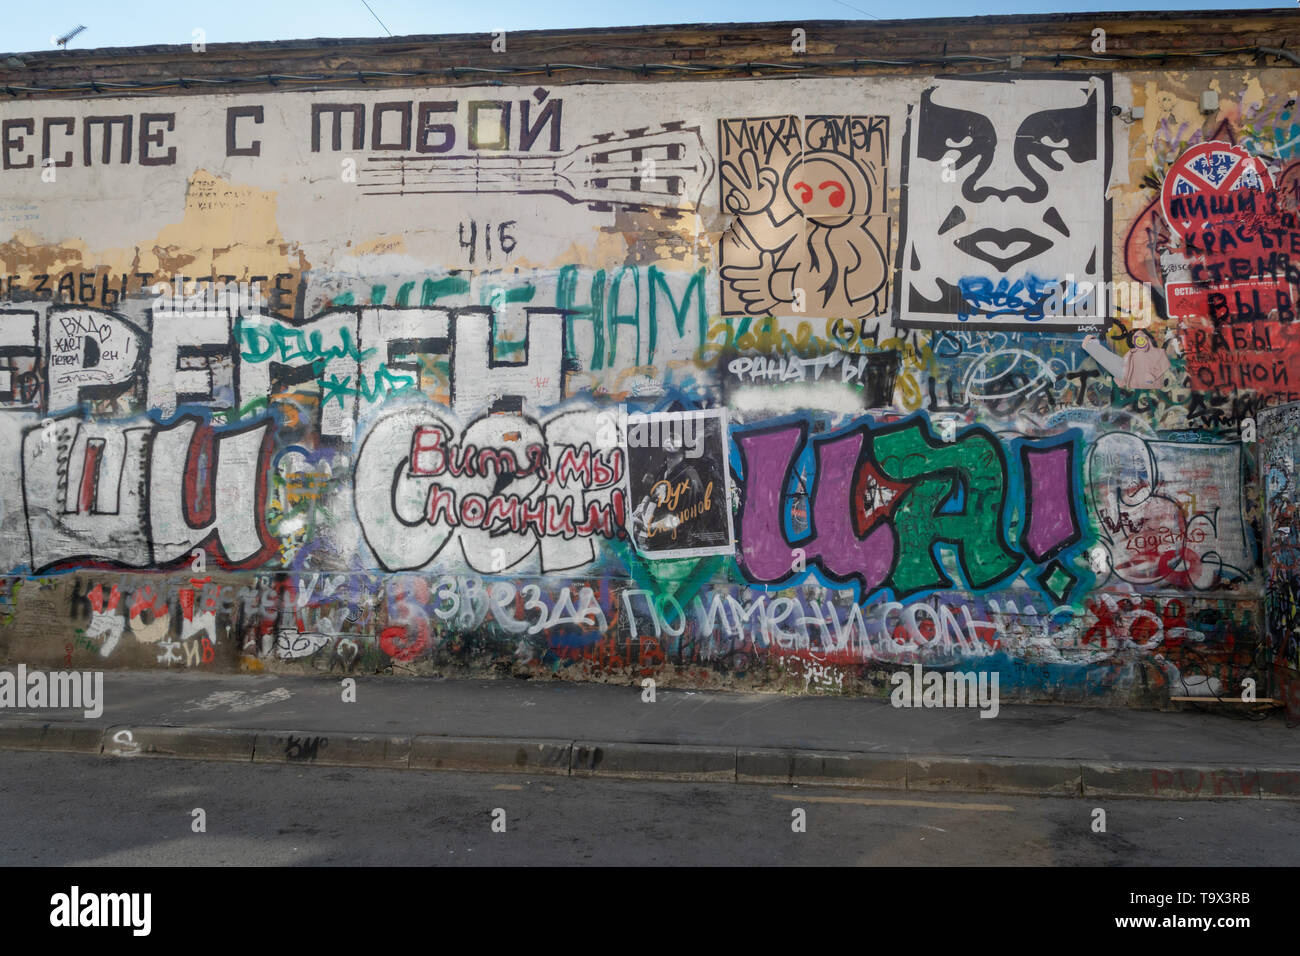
<point>809,232</point>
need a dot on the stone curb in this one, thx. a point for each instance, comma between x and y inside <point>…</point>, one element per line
<point>490,754</point>
<point>383,751</point>
<point>828,768</point>
<point>931,773</point>
<point>67,738</point>
<point>1061,778</point>
<point>653,761</point>
<point>197,743</point>
<point>1218,782</point>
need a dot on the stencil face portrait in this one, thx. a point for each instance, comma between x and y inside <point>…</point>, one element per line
<point>1006,186</point>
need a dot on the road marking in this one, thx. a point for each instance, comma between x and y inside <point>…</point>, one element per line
<point>986,807</point>
<point>239,700</point>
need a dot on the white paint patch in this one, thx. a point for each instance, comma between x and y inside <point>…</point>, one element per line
<point>831,396</point>
<point>240,700</point>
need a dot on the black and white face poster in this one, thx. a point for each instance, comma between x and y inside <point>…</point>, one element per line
<point>679,486</point>
<point>1006,222</point>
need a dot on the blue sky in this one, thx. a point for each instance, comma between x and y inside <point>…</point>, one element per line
<point>30,26</point>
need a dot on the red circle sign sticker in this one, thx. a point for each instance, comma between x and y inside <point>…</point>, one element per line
<point>1212,183</point>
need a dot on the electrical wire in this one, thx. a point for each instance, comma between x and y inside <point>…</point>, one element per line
<point>377,20</point>
<point>805,68</point>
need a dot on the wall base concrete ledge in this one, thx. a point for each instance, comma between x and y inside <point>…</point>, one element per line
<point>931,773</point>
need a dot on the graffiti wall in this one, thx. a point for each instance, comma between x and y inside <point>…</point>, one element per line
<point>773,384</point>
<point>1279,460</point>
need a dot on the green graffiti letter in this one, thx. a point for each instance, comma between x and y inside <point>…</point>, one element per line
<point>972,466</point>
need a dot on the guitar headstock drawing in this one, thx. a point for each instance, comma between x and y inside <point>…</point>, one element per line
<point>669,169</point>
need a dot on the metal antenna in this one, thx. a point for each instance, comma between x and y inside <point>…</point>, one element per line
<point>63,40</point>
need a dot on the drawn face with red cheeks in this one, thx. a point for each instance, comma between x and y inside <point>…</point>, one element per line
<point>826,186</point>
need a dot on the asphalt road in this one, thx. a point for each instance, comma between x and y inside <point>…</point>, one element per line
<point>66,809</point>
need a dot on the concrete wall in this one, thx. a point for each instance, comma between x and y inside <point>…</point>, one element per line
<point>946,367</point>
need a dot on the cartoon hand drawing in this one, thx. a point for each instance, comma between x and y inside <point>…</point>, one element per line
<point>809,235</point>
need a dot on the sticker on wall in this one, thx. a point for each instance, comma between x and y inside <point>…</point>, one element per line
<point>1005,222</point>
<point>809,233</point>
<point>1216,187</point>
<point>1144,365</point>
<point>679,485</point>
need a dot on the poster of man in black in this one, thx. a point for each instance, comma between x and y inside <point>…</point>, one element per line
<point>679,483</point>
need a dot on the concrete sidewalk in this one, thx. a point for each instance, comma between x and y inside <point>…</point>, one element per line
<point>605,730</point>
